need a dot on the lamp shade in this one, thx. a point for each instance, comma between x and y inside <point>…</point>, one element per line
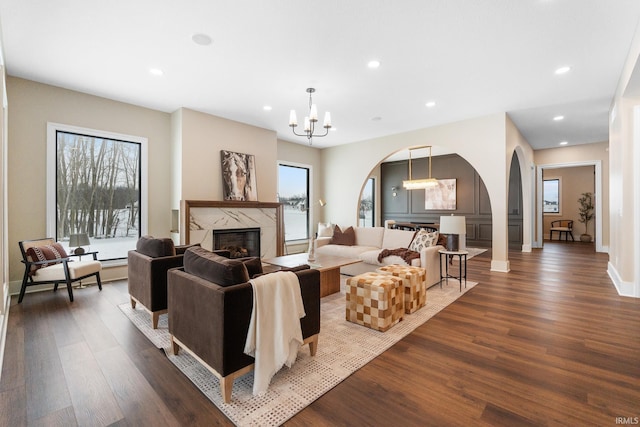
<point>453,225</point>
<point>76,240</point>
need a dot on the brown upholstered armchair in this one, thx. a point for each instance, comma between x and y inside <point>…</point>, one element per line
<point>147,273</point>
<point>210,304</point>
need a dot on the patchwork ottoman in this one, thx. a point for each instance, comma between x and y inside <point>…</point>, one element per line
<point>414,280</point>
<point>375,300</point>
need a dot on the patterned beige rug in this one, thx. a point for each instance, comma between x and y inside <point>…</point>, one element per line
<point>343,348</point>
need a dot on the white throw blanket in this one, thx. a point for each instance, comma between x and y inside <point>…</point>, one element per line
<point>275,335</point>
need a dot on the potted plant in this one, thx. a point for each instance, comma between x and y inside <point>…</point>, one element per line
<point>586,214</point>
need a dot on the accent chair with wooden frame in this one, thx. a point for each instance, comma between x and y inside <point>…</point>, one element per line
<point>561,226</point>
<point>46,262</point>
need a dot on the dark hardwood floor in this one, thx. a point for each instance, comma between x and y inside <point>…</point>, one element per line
<point>550,343</point>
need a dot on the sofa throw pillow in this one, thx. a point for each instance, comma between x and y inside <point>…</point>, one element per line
<point>442,240</point>
<point>424,239</point>
<point>345,238</point>
<point>155,247</point>
<point>325,229</point>
<point>254,266</point>
<point>45,253</point>
<point>214,268</point>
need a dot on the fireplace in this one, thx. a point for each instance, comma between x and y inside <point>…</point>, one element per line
<point>241,242</point>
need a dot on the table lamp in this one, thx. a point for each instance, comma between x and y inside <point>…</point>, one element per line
<point>77,241</point>
<point>453,227</point>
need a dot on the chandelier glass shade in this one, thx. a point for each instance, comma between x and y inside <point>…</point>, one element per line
<point>418,184</point>
<point>310,121</point>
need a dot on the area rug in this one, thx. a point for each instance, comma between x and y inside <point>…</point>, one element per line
<point>343,348</point>
<point>475,252</point>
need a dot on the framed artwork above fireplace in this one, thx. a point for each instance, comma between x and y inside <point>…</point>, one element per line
<point>238,176</point>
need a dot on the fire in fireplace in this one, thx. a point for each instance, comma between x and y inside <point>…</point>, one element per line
<point>241,242</point>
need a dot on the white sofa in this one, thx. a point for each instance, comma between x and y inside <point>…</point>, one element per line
<point>368,244</point>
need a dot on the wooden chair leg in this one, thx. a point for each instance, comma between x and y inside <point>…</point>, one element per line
<point>226,387</point>
<point>155,316</point>
<point>175,348</point>
<point>98,280</point>
<point>313,345</point>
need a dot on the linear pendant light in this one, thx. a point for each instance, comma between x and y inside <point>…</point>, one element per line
<point>418,184</point>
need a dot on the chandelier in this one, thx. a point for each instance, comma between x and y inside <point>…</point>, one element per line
<point>310,120</point>
<point>417,184</point>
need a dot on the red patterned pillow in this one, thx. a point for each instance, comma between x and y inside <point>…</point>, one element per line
<point>45,253</point>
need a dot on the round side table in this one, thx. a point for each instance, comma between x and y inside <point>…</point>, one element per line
<point>462,258</point>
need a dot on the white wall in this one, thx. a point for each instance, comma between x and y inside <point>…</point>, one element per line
<point>4,239</point>
<point>624,184</point>
<point>480,141</point>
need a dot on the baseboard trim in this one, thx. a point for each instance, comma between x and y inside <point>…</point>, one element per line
<point>4,323</point>
<point>500,266</point>
<point>624,288</point>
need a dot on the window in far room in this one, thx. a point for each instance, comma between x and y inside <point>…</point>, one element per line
<point>293,193</point>
<point>551,196</point>
<point>96,186</point>
<point>367,204</point>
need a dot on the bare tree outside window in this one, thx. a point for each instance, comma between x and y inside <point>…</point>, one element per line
<point>98,191</point>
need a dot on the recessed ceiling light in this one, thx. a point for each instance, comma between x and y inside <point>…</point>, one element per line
<point>201,39</point>
<point>373,64</point>
<point>564,143</point>
<point>156,71</point>
<point>563,70</point>
<point>267,108</point>
<point>558,118</point>
<point>431,104</point>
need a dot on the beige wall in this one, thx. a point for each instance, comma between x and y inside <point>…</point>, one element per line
<point>579,155</point>
<point>31,106</point>
<point>204,135</point>
<point>574,181</point>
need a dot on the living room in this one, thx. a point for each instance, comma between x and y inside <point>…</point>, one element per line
<point>184,164</point>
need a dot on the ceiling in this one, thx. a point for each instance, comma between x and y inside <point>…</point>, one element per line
<point>471,57</point>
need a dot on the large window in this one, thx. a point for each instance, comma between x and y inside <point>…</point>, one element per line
<point>293,193</point>
<point>96,186</point>
<point>367,204</point>
<point>551,196</point>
